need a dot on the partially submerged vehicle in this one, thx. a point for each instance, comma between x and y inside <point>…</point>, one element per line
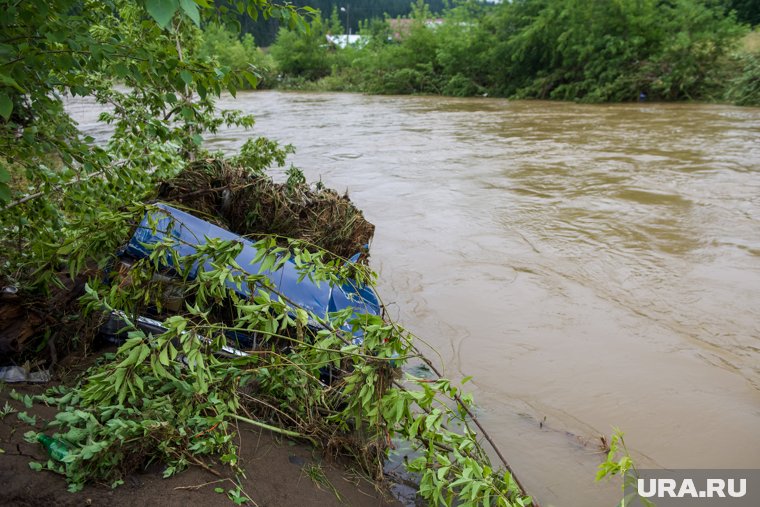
<point>184,232</point>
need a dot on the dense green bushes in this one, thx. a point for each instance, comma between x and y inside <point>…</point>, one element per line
<point>592,51</point>
<point>302,54</point>
<point>236,53</point>
<point>744,89</point>
<point>612,51</point>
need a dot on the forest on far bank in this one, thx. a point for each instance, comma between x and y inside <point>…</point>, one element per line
<point>590,51</point>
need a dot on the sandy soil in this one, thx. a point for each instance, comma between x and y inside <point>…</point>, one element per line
<point>275,469</point>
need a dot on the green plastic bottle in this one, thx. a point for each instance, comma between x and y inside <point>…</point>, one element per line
<point>57,449</point>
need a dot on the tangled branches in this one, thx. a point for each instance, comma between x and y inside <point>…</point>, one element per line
<point>174,396</point>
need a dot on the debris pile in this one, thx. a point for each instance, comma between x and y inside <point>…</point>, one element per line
<point>250,203</point>
<point>42,328</point>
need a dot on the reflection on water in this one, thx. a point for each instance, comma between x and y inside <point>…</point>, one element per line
<point>592,266</point>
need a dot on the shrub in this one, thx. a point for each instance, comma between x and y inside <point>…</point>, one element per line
<point>302,54</point>
<point>461,86</point>
<point>744,89</point>
<point>221,44</point>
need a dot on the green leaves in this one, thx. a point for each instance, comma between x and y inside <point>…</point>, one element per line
<point>54,49</point>
<point>191,9</point>
<point>173,393</point>
<point>23,417</point>
<point>252,79</point>
<point>5,189</point>
<point>186,76</point>
<point>8,81</point>
<point>162,11</point>
<point>6,106</point>
<point>619,462</point>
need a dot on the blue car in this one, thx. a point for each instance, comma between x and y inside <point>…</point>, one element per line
<point>187,231</point>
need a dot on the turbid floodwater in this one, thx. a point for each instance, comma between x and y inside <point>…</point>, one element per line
<point>593,266</point>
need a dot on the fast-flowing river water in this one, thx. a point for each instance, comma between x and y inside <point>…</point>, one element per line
<point>592,266</point>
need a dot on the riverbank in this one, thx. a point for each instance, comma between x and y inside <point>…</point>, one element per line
<point>278,471</point>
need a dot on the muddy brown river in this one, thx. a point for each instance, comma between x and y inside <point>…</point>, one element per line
<point>592,266</point>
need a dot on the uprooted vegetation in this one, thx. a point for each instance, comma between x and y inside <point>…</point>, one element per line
<point>250,203</point>
<point>174,398</point>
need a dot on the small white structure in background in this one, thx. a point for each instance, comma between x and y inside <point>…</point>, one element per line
<point>344,40</point>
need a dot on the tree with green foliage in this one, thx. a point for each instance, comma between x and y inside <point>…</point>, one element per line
<point>237,53</point>
<point>302,54</point>
<point>409,67</point>
<point>463,51</point>
<point>610,51</point>
<point>747,11</point>
<point>334,25</point>
<point>744,88</point>
<point>59,48</point>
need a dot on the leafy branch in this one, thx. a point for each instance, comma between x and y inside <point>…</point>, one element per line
<point>173,389</point>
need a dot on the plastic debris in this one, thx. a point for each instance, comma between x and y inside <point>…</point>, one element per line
<point>56,448</point>
<point>16,374</point>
